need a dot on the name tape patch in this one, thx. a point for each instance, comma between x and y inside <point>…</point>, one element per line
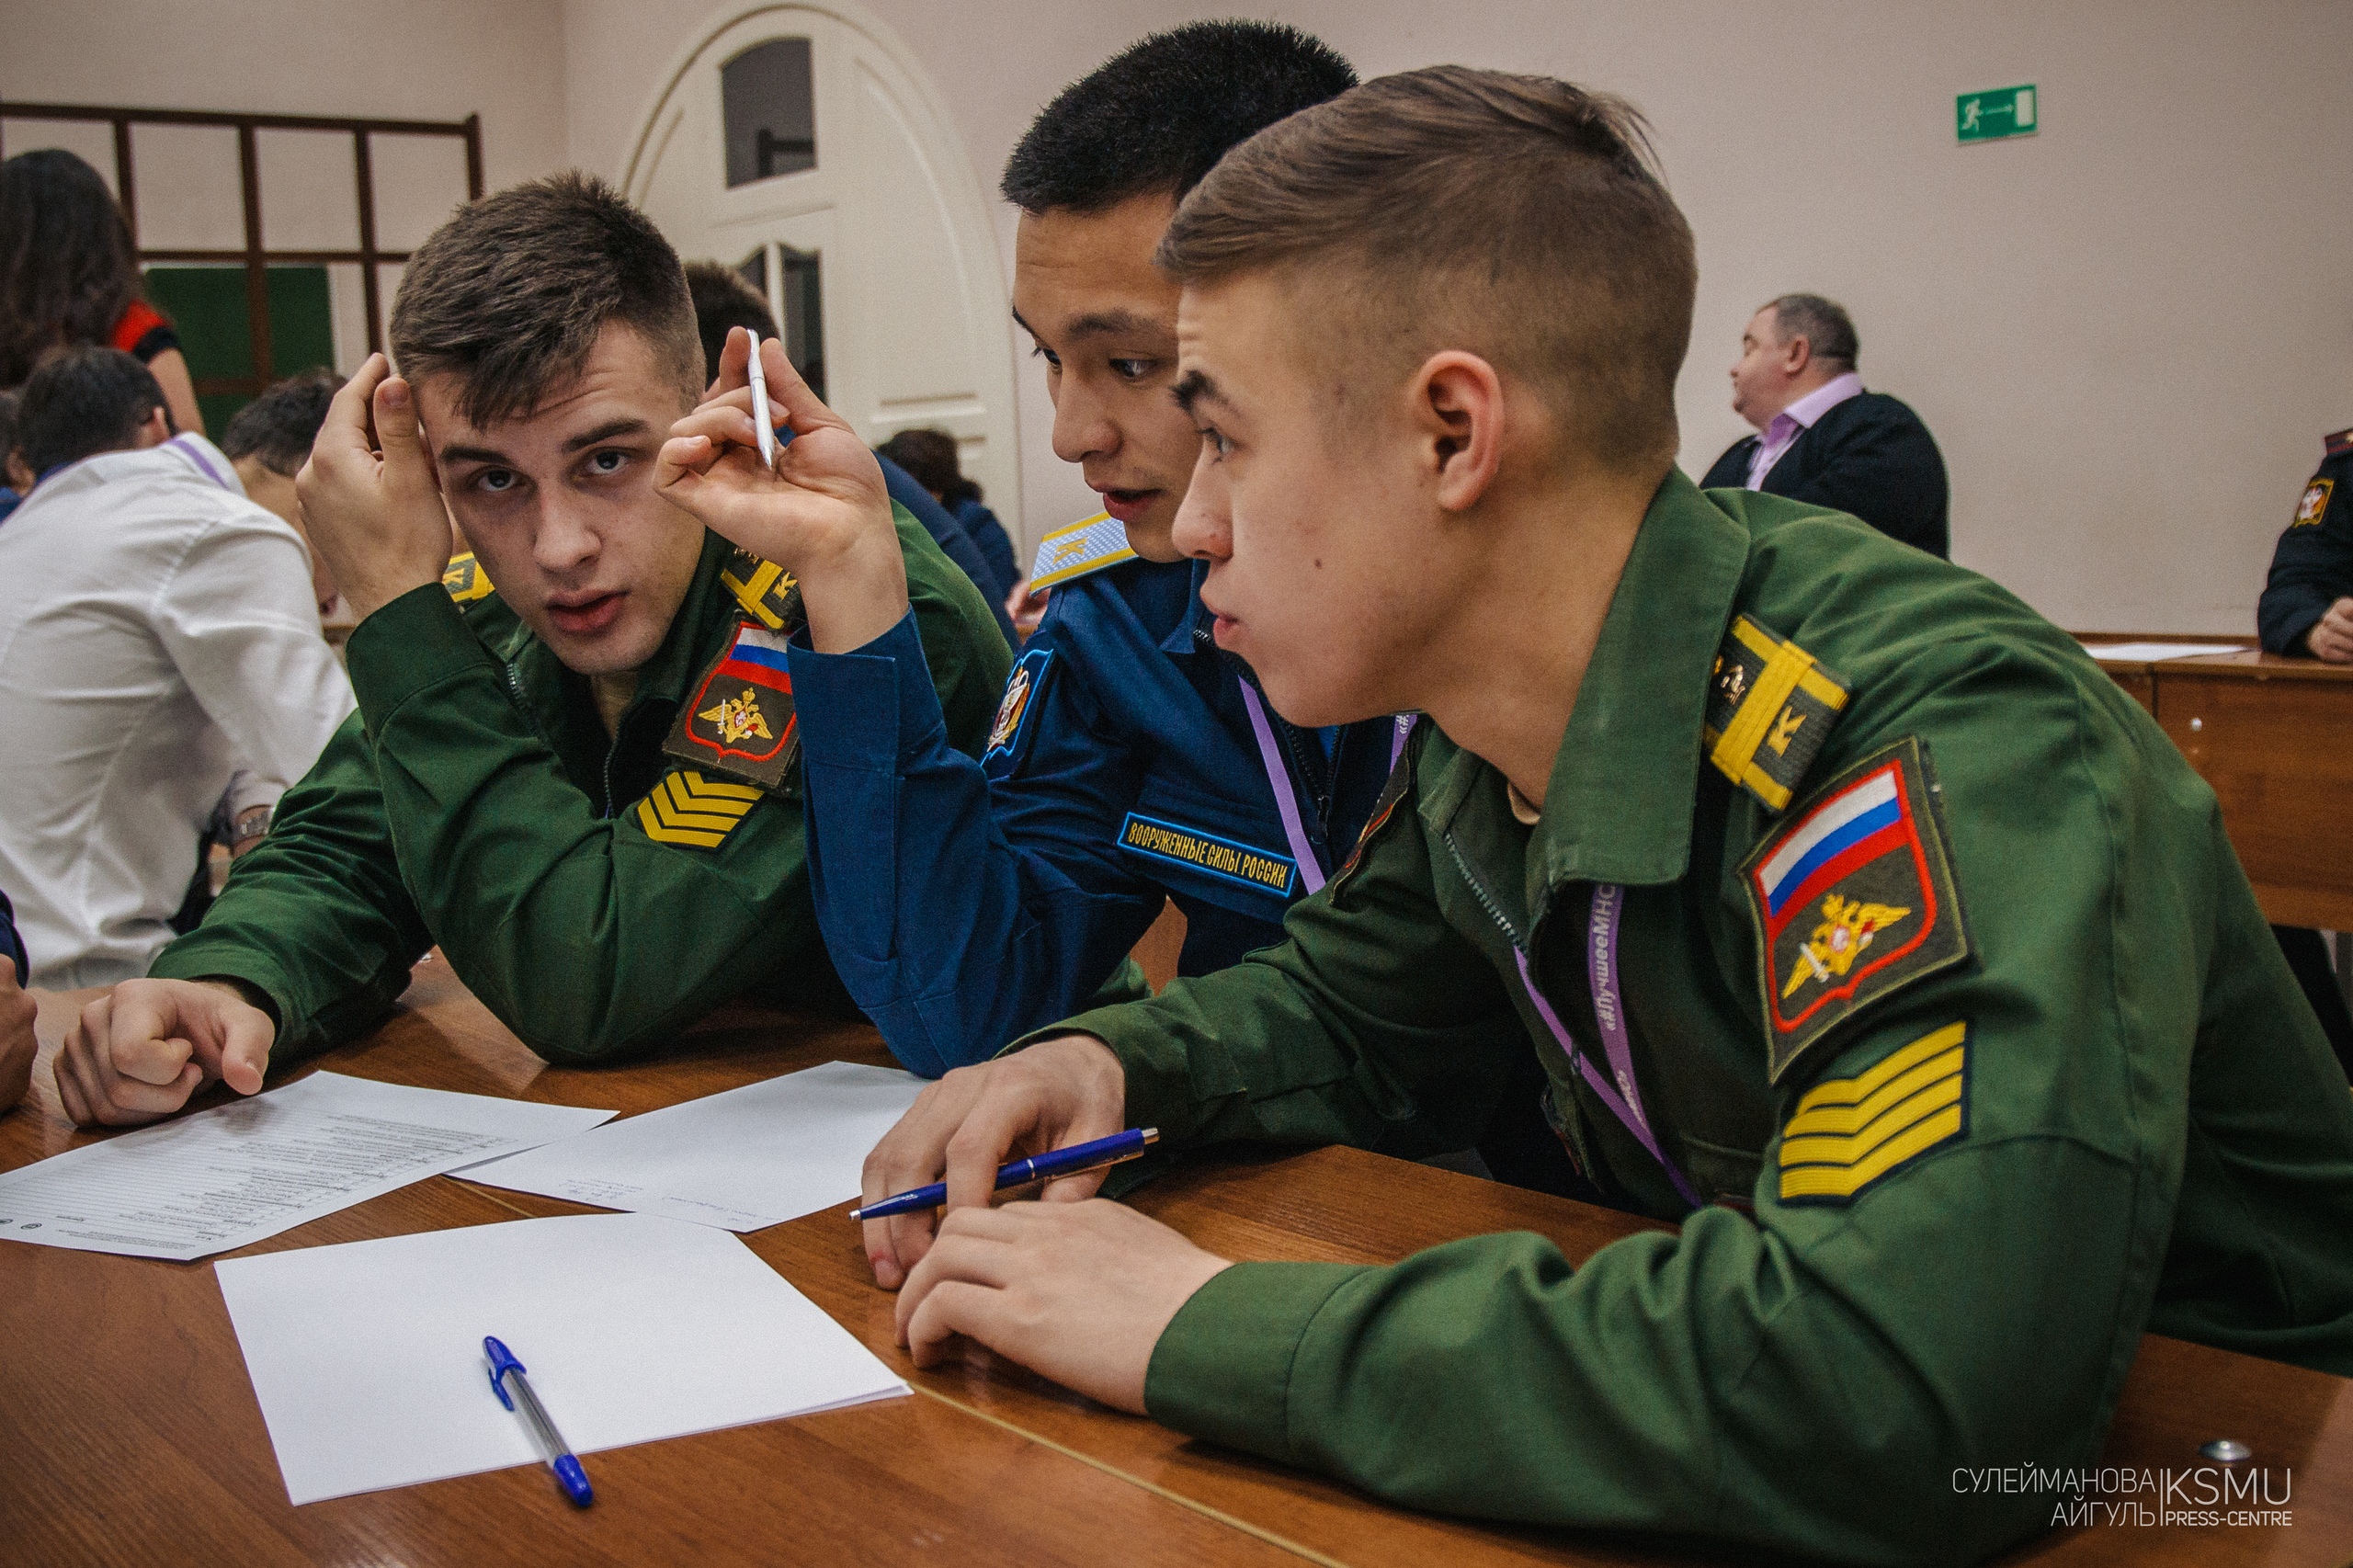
<point>1259,868</point>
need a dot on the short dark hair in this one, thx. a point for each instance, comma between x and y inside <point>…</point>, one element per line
<point>1158,114</point>
<point>67,268</point>
<point>930,456</point>
<point>278,428</point>
<point>510,295</point>
<point>723,300</point>
<point>1828,330</point>
<point>1520,218</point>
<point>83,401</point>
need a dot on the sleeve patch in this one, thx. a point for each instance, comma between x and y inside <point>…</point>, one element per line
<point>464,580</point>
<point>1016,712</point>
<point>764,590</point>
<point>740,721</point>
<point>686,809</point>
<point>2315,505</point>
<point>1848,1134</point>
<point>1854,900</point>
<point>1769,708</point>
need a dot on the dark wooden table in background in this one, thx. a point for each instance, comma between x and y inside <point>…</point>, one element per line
<point>128,1432</point>
<point>2274,737</point>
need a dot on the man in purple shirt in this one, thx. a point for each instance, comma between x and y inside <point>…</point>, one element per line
<point>1821,437</point>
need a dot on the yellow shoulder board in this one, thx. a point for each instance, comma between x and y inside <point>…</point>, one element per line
<point>1769,708</point>
<point>1088,545</point>
<point>465,579</point>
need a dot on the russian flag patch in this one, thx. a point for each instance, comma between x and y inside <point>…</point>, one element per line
<point>1853,899</point>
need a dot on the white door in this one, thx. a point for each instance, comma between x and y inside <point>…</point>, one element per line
<point>799,144</point>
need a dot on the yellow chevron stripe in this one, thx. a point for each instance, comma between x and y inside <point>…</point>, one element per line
<point>1848,1132</point>
<point>1846,1120</point>
<point>1830,1149</point>
<point>686,808</point>
<point>1845,1181</point>
<point>1854,1091</point>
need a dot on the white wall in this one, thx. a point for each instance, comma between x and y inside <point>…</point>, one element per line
<point>2128,332</point>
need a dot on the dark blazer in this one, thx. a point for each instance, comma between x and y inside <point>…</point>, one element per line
<point>2311,567</point>
<point>1870,456</point>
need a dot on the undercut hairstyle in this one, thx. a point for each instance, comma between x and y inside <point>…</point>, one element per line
<point>723,300</point>
<point>83,401</point>
<point>67,268</point>
<point>1519,218</point>
<point>509,296</point>
<point>930,456</point>
<point>1828,330</point>
<point>1157,116</point>
<point>276,429</point>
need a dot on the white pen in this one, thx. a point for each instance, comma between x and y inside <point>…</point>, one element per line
<point>760,414</point>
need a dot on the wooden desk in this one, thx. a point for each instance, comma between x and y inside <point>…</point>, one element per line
<point>999,1459</point>
<point>2274,737</point>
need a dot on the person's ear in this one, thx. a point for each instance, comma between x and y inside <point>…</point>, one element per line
<point>1796,355</point>
<point>1458,413</point>
<point>20,475</point>
<point>154,430</point>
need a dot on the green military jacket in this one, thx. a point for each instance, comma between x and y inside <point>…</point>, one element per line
<point>1969,1100</point>
<point>598,893</point>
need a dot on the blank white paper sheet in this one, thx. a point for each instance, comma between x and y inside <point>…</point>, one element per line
<point>2150,653</point>
<point>743,1160</point>
<point>226,1177</point>
<point>368,1362</point>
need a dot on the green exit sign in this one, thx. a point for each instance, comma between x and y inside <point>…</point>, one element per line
<point>1991,116</point>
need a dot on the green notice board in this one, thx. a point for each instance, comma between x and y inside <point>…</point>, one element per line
<point>1996,114</point>
<point>206,306</point>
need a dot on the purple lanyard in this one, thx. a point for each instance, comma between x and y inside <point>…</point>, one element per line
<point>1624,1099</point>
<point>1302,849</point>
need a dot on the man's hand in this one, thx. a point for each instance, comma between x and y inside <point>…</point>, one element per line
<point>376,519</point>
<point>823,514</point>
<point>1079,1292</point>
<point>16,1041</point>
<point>1056,1092</point>
<point>2331,638</point>
<point>137,1052</point>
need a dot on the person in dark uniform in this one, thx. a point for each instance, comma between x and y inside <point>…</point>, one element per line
<point>17,1043</point>
<point>1132,762</point>
<point>2307,610</point>
<point>1821,437</point>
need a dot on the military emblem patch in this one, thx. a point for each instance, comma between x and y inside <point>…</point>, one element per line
<point>2315,505</point>
<point>1854,900</point>
<point>1084,546</point>
<point>1222,858</point>
<point>740,720</point>
<point>1769,708</point>
<point>465,580</point>
<point>765,590</point>
<point>1848,1133</point>
<point>1023,689</point>
<point>688,809</point>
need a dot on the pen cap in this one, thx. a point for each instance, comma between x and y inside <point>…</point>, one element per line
<point>502,1361</point>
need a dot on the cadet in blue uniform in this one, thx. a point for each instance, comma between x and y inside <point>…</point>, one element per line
<point>2307,605</point>
<point>1130,761</point>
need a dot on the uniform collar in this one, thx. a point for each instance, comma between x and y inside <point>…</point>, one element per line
<point>1617,806</point>
<point>1181,639</point>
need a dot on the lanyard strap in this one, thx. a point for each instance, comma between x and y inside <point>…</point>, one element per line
<point>1302,849</point>
<point>1624,1099</point>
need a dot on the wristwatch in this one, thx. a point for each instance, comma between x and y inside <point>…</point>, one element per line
<point>250,824</point>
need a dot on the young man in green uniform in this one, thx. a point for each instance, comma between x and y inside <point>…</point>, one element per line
<point>583,784</point>
<point>1860,924</point>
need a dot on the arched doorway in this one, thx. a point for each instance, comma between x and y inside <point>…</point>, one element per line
<point>797,144</point>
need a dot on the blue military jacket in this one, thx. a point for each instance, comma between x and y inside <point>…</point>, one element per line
<point>966,903</point>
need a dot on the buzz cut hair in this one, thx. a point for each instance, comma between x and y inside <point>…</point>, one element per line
<point>1519,218</point>
<point>279,428</point>
<point>1828,330</point>
<point>510,295</point>
<point>1156,116</point>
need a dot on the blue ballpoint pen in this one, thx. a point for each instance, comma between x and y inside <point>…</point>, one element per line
<point>561,1459</point>
<point>1078,1157</point>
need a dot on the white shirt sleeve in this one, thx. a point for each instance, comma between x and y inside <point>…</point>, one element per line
<point>237,617</point>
